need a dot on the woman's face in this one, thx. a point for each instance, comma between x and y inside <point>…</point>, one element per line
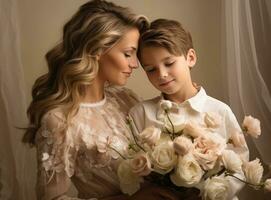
<point>117,64</point>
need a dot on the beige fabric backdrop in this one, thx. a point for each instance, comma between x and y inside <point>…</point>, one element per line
<point>32,27</point>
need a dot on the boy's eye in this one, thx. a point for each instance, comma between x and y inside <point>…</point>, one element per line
<point>169,64</point>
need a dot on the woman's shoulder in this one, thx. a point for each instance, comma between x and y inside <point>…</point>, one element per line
<point>118,90</point>
<point>123,95</point>
<point>53,118</point>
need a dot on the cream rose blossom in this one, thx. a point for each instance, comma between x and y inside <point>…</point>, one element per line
<point>192,129</point>
<point>150,135</point>
<point>129,181</point>
<point>252,126</point>
<point>238,139</point>
<point>207,149</point>
<point>212,120</point>
<point>163,157</point>
<point>231,161</point>
<point>188,172</point>
<point>216,188</point>
<point>141,164</point>
<point>182,145</point>
<point>253,171</point>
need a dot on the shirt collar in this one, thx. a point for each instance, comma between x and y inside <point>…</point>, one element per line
<point>196,102</point>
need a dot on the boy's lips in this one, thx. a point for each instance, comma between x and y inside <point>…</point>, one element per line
<point>166,83</point>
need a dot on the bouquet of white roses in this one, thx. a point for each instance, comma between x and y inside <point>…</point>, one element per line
<point>190,155</point>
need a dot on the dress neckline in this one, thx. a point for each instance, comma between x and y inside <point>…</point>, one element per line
<point>94,104</point>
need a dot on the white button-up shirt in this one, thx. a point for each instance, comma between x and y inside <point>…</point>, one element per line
<point>149,112</point>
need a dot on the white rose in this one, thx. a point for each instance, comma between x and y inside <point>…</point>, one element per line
<point>150,135</point>
<point>102,144</point>
<point>216,188</point>
<point>129,181</point>
<point>165,104</point>
<point>47,161</point>
<point>212,120</point>
<point>45,156</point>
<point>188,172</point>
<point>253,171</point>
<point>231,161</point>
<point>182,145</point>
<point>207,149</point>
<point>192,129</point>
<point>163,157</point>
<point>267,185</point>
<point>141,164</point>
<point>238,139</point>
<point>252,126</point>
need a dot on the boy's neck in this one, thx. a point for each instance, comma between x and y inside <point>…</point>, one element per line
<point>182,95</point>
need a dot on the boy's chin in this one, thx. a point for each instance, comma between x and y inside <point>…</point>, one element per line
<point>169,92</point>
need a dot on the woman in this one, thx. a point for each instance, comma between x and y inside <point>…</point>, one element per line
<point>76,118</point>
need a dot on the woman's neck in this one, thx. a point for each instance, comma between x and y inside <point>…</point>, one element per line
<point>94,92</point>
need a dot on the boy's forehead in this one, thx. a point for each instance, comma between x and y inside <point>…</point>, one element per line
<point>153,54</point>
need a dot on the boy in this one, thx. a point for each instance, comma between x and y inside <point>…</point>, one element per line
<point>167,55</point>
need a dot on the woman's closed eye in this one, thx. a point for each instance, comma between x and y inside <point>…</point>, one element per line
<point>149,69</point>
<point>128,55</point>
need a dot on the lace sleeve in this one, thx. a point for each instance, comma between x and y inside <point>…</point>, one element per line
<point>137,115</point>
<point>56,155</point>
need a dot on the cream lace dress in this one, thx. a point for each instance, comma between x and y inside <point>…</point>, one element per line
<point>82,152</point>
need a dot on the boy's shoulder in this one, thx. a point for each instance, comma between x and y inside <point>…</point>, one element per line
<point>216,104</point>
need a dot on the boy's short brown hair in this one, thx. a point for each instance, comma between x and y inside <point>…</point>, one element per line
<point>169,34</point>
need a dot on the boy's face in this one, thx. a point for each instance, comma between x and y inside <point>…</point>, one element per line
<point>168,73</point>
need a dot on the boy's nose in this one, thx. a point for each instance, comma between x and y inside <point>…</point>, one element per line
<point>163,73</point>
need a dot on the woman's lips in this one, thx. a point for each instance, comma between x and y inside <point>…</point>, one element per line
<point>128,74</point>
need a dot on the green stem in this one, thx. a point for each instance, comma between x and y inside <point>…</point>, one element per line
<point>117,152</point>
<point>259,186</point>
<point>173,136</point>
<point>134,137</point>
<point>132,147</point>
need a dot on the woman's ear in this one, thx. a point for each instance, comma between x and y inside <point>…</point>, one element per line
<point>191,58</point>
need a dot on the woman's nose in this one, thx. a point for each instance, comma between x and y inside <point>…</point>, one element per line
<point>134,63</point>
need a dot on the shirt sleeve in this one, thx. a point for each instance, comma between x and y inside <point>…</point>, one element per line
<point>231,126</point>
<point>56,156</point>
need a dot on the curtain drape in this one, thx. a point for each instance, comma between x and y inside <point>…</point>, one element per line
<point>246,61</point>
<point>17,170</point>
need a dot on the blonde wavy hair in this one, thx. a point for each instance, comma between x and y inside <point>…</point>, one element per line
<point>72,64</point>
